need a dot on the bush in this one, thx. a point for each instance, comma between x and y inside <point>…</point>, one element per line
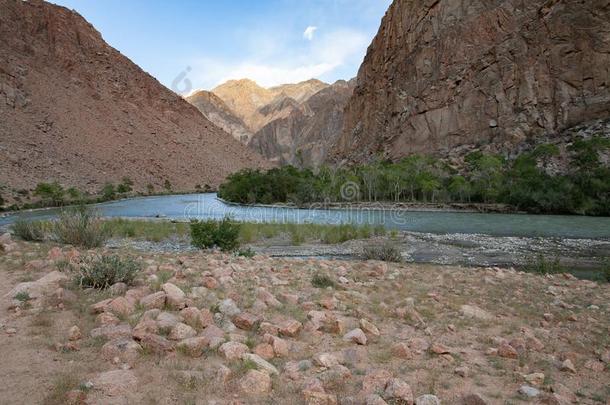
<point>34,231</point>
<point>104,271</point>
<point>50,193</point>
<point>386,252</point>
<point>223,234</point>
<point>80,227</point>
<point>322,281</point>
<point>542,265</point>
<point>248,253</point>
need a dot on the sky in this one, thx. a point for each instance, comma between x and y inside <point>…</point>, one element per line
<point>190,44</point>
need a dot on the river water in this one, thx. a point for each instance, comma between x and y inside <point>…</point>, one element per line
<point>207,206</point>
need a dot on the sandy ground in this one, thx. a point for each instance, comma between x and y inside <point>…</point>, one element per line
<point>328,331</point>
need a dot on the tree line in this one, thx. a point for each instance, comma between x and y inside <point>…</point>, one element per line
<point>529,182</point>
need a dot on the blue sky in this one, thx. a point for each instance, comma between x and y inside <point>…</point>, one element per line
<point>191,44</point>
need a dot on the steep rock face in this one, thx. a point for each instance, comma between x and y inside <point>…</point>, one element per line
<point>246,99</point>
<point>215,110</point>
<point>74,110</point>
<point>305,136</point>
<point>442,74</point>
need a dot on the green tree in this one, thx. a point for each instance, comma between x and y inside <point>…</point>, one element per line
<point>50,193</point>
<point>109,191</point>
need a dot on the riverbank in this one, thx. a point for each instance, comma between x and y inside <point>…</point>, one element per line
<point>392,206</point>
<point>259,330</point>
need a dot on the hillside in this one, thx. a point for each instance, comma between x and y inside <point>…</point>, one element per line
<point>305,136</point>
<point>246,99</point>
<point>215,110</point>
<point>443,74</point>
<point>76,111</point>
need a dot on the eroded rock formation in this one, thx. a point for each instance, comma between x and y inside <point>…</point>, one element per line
<point>442,74</point>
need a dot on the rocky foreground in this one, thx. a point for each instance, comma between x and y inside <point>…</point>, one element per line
<point>210,328</point>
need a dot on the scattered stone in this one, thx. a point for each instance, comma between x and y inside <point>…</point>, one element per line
<point>106,318</point>
<point>255,383</point>
<point>193,347</point>
<point>356,336</point>
<point>120,307</point>
<point>182,331</point>
<point>438,348</point>
<point>246,321</point>
<point>233,350</point>
<point>228,307</point>
<point>192,317</point>
<point>535,378</point>
<point>471,311</point>
<point>156,344</point>
<point>528,391</point>
<point>154,300</point>
<point>260,363</point>
<point>290,328</point>
<point>116,382</point>
<point>166,321</point>
<point>474,399</point>
<point>375,381</point>
<point>74,333</point>
<point>595,365</point>
<point>369,328</point>
<point>264,350</point>
<point>111,332</point>
<point>399,391</point>
<point>125,350</point>
<point>568,366</point>
<point>462,371</point>
<point>375,399</point>
<point>325,360</point>
<point>427,400</point>
<point>507,351</point>
<point>402,350</point>
<point>174,296</point>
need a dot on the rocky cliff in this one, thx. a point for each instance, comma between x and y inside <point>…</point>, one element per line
<point>304,137</point>
<point>215,110</point>
<point>74,110</point>
<point>257,106</point>
<point>447,74</point>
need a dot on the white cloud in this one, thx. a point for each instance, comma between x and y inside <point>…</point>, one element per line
<point>309,31</point>
<point>286,62</point>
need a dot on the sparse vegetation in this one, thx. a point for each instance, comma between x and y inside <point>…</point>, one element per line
<point>543,265</point>
<point>80,227</point>
<point>22,296</point>
<point>523,183</point>
<point>141,229</point>
<point>320,280</point>
<point>299,233</point>
<point>222,234</point>
<point>387,252</point>
<point>33,231</point>
<point>103,271</point>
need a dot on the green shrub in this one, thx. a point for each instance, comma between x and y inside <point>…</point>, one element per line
<point>103,271</point>
<point>223,234</point>
<point>108,191</point>
<point>386,252</point>
<point>22,296</point>
<point>248,253</point>
<point>322,281</point>
<point>50,193</point>
<point>80,227</point>
<point>35,231</point>
<point>543,265</point>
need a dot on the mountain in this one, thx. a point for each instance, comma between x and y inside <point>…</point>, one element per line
<point>215,110</point>
<point>246,99</point>
<point>76,111</point>
<point>305,136</point>
<point>449,74</point>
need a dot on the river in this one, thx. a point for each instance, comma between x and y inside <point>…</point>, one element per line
<point>206,206</point>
